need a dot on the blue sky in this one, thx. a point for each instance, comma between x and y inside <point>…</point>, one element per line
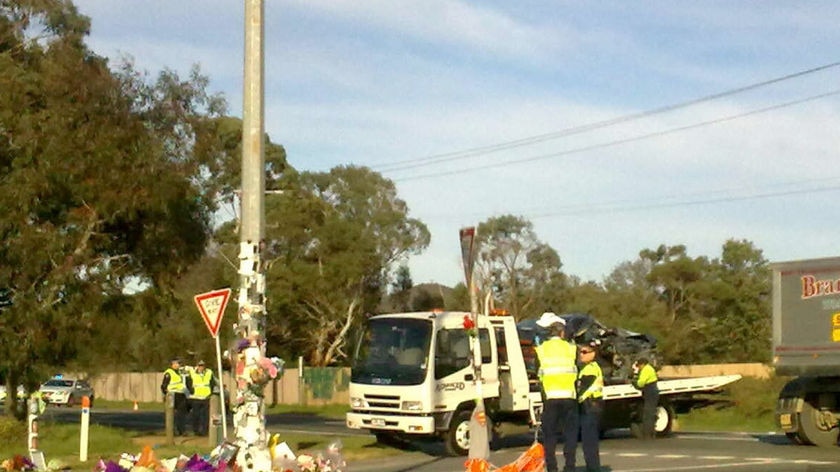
<point>406,87</point>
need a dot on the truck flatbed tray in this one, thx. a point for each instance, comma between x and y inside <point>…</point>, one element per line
<point>668,387</point>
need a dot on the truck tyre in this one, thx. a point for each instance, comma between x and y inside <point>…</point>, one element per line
<point>457,440</point>
<point>813,428</point>
<point>664,419</point>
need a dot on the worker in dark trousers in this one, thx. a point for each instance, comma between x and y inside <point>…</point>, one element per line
<point>177,382</point>
<point>558,375</point>
<point>646,381</point>
<point>590,393</point>
<point>203,384</point>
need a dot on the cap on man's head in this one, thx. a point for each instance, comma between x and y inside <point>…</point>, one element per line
<point>174,360</point>
<point>200,362</point>
<point>549,319</point>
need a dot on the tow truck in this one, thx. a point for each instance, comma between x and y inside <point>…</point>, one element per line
<point>414,376</point>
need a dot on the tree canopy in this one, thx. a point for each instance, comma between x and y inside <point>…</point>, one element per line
<point>112,179</point>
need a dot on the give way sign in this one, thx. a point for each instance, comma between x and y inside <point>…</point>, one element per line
<point>212,305</point>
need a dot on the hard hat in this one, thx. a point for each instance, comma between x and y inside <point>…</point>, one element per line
<point>547,319</point>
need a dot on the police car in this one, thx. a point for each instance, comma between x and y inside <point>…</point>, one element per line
<point>60,390</point>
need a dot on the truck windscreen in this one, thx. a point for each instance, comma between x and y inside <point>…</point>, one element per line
<point>393,351</point>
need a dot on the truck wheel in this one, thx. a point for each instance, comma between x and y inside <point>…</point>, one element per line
<point>458,437</point>
<point>816,429</point>
<point>664,419</point>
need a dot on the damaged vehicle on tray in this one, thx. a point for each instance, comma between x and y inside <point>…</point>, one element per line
<point>618,348</point>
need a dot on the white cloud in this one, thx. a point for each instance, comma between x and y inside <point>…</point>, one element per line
<point>390,80</point>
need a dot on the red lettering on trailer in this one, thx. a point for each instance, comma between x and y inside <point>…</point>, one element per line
<point>812,287</point>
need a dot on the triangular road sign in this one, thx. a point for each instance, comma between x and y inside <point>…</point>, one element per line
<point>212,305</point>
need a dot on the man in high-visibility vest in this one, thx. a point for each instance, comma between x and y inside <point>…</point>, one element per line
<point>591,400</point>
<point>558,374</point>
<point>646,381</point>
<point>203,383</point>
<point>177,383</point>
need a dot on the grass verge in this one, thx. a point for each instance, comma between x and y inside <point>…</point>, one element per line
<point>61,441</point>
<point>748,405</point>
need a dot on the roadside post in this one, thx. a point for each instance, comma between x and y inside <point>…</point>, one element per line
<point>213,432</point>
<point>84,429</point>
<point>169,417</point>
<point>212,306</point>
<point>33,409</point>
<point>479,451</point>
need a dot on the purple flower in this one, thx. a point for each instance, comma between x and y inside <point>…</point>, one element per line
<point>112,466</point>
<point>197,464</point>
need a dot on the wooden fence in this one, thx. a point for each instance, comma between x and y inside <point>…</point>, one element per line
<point>326,385</point>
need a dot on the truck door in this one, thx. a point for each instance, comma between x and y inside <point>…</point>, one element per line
<point>506,389</point>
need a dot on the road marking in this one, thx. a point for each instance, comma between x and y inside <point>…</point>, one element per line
<point>720,438</point>
<point>672,456</point>
<point>810,462</point>
<point>696,467</point>
<point>631,454</point>
<point>716,458</point>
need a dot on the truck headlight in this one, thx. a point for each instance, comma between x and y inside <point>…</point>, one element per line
<point>412,406</point>
<point>358,403</point>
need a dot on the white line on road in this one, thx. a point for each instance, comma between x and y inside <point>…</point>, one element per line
<point>693,467</point>
<point>671,456</point>
<point>716,458</point>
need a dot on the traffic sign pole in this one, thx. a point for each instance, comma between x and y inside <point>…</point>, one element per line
<point>212,306</point>
<point>221,387</point>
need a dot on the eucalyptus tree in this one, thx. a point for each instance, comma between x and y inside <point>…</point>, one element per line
<point>100,183</point>
<point>514,265</point>
<point>333,240</point>
<point>740,305</point>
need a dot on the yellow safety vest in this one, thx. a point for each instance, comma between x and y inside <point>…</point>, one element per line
<point>558,371</point>
<point>596,390</point>
<point>201,384</point>
<point>176,382</point>
<point>647,376</point>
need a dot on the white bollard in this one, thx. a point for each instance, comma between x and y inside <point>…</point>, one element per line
<point>83,431</point>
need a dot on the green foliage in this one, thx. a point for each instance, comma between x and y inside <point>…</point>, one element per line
<point>102,182</point>
<point>12,431</point>
<point>513,264</point>
<point>748,405</point>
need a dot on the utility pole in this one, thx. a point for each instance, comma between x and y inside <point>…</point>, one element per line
<point>249,415</point>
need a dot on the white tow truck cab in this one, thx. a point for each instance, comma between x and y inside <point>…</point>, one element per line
<point>413,378</point>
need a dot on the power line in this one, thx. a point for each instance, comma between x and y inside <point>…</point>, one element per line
<point>702,198</point>
<point>703,201</point>
<point>458,155</point>
<point>621,141</point>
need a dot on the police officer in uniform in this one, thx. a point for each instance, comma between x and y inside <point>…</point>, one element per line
<point>646,381</point>
<point>558,375</point>
<point>177,383</point>
<point>590,397</point>
<point>203,383</point>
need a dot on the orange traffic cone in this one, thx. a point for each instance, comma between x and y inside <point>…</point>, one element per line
<point>135,406</point>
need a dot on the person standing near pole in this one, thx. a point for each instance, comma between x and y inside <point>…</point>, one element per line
<point>590,390</point>
<point>646,381</point>
<point>558,375</point>
<point>177,383</point>
<point>203,384</point>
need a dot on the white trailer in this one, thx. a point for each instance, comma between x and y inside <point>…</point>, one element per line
<point>413,377</point>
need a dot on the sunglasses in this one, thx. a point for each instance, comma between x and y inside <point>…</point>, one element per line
<point>586,351</point>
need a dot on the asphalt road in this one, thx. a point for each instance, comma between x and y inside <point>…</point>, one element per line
<point>681,452</point>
